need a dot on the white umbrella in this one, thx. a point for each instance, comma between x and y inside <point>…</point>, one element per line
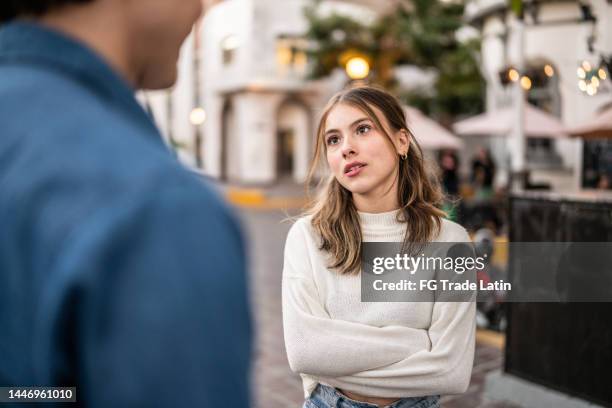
<point>598,127</point>
<point>499,123</point>
<point>428,133</point>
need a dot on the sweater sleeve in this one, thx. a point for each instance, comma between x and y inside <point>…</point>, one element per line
<point>318,345</point>
<point>445,368</point>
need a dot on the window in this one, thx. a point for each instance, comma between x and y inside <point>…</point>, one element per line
<point>543,93</point>
<point>291,53</point>
<point>229,44</point>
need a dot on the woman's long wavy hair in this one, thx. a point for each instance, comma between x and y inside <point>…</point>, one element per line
<point>334,216</point>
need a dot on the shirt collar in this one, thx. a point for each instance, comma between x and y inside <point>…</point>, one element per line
<point>30,43</point>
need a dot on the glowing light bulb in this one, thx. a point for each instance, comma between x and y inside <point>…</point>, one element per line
<point>586,65</point>
<point>602,74</point>
<point>526,83</point>
<point>549,70</point>
<point>357,68</point>
<point>197,116</point>
<point>513,75</point>
<point>591,90</point>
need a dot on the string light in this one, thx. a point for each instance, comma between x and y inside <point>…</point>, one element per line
<point>357,68</point>
<point>549,70</point>
<point>526,83</point>
<point>513,75</point>
<point>591,90</point>
<point>197,116</point>
<point>586,65</point>
<point>590,77</point>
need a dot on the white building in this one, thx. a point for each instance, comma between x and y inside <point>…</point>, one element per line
<point>556,41</point>
<point>260,109</point>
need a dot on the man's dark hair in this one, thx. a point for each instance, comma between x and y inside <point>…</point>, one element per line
<point>11,9</point>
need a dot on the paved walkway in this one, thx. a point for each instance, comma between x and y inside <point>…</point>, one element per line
<point>275,386</point>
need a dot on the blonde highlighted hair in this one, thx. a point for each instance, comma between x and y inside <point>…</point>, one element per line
<point>334,216</point>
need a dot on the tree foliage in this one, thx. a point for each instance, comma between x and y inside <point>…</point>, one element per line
<point>420,33</point>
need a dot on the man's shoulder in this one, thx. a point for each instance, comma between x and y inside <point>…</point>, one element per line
<point>61,130</point>
<point>43,84</point>
<point>83,154</point>
<point>41,100</point>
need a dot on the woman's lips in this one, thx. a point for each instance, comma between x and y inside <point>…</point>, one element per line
<point>355,170</point>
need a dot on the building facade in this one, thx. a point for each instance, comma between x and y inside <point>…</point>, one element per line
<point>560,40</point>
<point>261,108</point>
<point>243,110</point>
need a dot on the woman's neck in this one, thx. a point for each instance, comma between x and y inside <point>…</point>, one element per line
<point>382,198</point>
<point>376,203</point>
<point>375,207</point>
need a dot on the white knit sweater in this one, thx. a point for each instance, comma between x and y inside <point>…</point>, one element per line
<point>382,349</point>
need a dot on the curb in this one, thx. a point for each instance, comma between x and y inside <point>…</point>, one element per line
<point>257,199</point>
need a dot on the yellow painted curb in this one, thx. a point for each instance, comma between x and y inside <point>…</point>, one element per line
<point>491,338</point>
<point>256,199</point>
<point>245,197</point>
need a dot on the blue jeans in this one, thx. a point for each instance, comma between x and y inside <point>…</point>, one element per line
<point>325,396</point>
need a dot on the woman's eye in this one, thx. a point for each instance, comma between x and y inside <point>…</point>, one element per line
<point>332,140</point>
<point>363,129</point>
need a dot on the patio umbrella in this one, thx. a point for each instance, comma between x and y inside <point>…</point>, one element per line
<point>598,127</point>
<point>428,133</point>
<point>499,123</point>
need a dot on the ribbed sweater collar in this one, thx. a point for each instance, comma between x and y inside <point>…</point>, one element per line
<point>382,226</point>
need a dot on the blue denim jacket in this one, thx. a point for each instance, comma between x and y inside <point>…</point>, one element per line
<point>120,272</point>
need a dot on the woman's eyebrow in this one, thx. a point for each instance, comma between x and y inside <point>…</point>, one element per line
<point>352,125</point>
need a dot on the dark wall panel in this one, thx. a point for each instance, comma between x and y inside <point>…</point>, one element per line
<point>567,347</point>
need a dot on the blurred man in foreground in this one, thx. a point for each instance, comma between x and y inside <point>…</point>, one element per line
<point>120,272</point>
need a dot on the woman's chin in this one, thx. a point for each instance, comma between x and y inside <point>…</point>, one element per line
<point>358,187</point>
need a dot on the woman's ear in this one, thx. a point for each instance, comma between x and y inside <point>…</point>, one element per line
<point>403,142</point>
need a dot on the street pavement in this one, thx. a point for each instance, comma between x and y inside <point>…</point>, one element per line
<point>274,385</point>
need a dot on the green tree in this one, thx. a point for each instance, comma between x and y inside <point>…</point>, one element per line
<point>420,33</point>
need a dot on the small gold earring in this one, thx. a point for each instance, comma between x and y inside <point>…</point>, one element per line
<point>404,156</point>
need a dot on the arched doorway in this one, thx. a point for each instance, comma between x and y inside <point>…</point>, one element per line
<point>285,151</point>
<point>292,136</point>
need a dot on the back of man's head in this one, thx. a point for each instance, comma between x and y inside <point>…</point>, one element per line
<point>142,41</point>
<point>12,9</point>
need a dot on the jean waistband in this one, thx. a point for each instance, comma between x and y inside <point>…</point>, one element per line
<point>333,398</point>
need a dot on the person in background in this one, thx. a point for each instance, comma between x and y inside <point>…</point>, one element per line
<point>121,273</point>
<point>603,182</point>
<point>449,164</point>
<point>483,173</point>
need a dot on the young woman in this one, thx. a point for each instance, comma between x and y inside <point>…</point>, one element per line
<point>352,353</point>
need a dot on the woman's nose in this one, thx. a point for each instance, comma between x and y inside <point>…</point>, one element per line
<point>348,148</point>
